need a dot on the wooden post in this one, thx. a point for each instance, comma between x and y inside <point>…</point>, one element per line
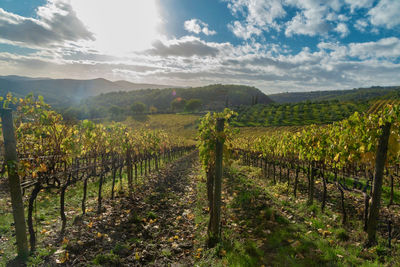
<point>380,160</point>
<point>129,172</point>
<point>114,174</point>
<point>214,233</point>
<point>10,145</point>
<point>84,195</point>
<point>296,180</point>
<point>311,185</point>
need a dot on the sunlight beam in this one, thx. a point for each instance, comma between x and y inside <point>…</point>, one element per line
<point>120,26</point>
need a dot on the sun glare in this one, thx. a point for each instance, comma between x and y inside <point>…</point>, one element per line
<point>120,26</point>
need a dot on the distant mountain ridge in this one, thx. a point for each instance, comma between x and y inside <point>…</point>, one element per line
<point>65,92</point>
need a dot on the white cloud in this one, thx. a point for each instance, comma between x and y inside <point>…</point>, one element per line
<point>197,26</point>
<point>342,17</point>
<point>384,48</point>
<point>56,23</point>
<point>244,31</point>
<point>331,66</point>
<point>207,31</point>
<point>385,14</point>
<point>312,17</point>
<point>192,26</point>
<point>361,24</point>
<point>342,29</point>
<point>311,20</point>
<point>357,4</point>
<point>187,46</point>
<point>116,27</point>
<point>260,16</point>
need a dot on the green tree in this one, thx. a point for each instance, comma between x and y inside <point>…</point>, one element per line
<point>138,108</point>
<point>192,105</point>
<point>153,109</point>
<point>178,104</point>
<point>116,113</point>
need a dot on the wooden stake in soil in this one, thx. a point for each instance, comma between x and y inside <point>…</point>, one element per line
<point>380,160</point>
<point>214,231</point>
<point>10,144</point>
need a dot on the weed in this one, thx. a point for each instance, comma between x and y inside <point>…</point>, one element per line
<point>166,252</point>
<point>119,248</point>
<point>39,256</point>
<point>151,215</point>
<point>342,235</point>
<point>109,259</point>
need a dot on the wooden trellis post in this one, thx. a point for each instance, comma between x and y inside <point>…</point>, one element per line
<point>215,217</point>
<point>10,145</point>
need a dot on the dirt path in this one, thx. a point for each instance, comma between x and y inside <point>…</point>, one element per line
<point>155,228</point>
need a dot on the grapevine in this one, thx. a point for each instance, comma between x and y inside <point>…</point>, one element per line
<point>54,155</point>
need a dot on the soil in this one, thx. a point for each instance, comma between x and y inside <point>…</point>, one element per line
<point>154,228</point>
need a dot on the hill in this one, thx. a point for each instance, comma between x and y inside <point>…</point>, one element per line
<point>359,94</point>
<point>118,105</point>
<point>296,114</point>
<point>138,86</point>
<point>65,92</point>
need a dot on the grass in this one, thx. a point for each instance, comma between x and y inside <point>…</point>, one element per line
<point>109,259</point>
<point>183,125</point>
<point>264,225</point>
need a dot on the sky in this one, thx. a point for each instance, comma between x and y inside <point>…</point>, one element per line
<point>274,45</point>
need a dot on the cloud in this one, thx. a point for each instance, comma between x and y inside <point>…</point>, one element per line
<point>187,46</point>
<point>384,48</point>
<point>342,29</point>
<point>197,26</point>
<point>357,4</point>
<point>260,16</point>
<point>385,14</point>
<point>330,66</point>
<point>311,20</point>
<point>312,17</point>
<point>244,30</point>
<point>56,23</point>
<point>361,24</point>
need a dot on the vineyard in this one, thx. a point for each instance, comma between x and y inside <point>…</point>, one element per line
<point>297,114</point>
<point>54,156</point>
<point>223,208</point>
<point>348,154</point>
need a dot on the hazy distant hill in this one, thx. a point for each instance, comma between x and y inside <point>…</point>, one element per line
<point>64,92</point>
<point>138,86</point>
<point>341,95</point>
<point>21,78</point>
<point>212,97</point>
